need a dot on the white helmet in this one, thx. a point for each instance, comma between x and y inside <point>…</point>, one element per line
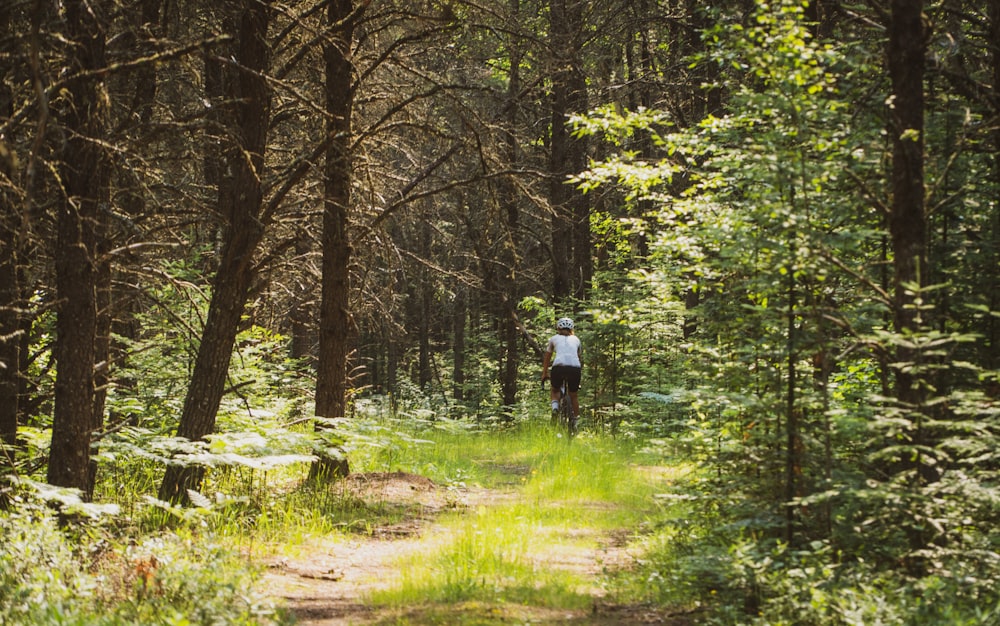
<point>564,323</point>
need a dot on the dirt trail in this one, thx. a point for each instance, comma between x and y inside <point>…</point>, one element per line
<point>328,583</point>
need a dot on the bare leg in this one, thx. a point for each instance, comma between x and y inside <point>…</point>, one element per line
<point>576,403</point>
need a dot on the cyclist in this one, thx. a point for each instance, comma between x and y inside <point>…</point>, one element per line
<point>565,355</point>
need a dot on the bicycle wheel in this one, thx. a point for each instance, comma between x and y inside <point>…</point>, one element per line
<point>566,418</point>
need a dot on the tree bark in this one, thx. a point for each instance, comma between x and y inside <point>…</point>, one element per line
<point>102,340</point>
<point>992,343</point>
<point>336,324</point>
<point>705,102</point>
<point>459,314</point>
<point>424,297</point>
<point>85,171</point>
<point>793,434</point>
<point>335,310</point>
<point>240,201</point>
<point>10,326</point>
<point>511,211</point>
<point>908,232</point>
<point>205,233</point>
<point>301,316</point>
<point>12,229</point>
<point>571,258</point>
<point>908,220</point>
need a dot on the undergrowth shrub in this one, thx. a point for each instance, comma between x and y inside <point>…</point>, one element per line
<point>84,574</point>
<point>812,586</point>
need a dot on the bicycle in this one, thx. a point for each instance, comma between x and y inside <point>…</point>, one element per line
<point>563,416</point>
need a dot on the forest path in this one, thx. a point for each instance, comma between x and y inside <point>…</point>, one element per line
<point>327,584</point>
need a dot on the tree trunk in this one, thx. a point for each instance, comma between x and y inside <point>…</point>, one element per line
<point>335,312</point>
<point>10,345</point>
<point>240,200</point>
<point>205,233</point>
<point>84,171</point>
<point>509,331</point>
<point>992,343</point>
<point>793,435</point>
<point>705,102</point>
<point>301,316</point>
<point>818,15</point>
<point>102,342</point>
<point>459,314</point>
<point>571,259</point>
<point>908,230</point>
<point>12,230</point>
<point>425,302</point>
<point>908,221</point>
<point>511,211</point>
<point>336,324</point>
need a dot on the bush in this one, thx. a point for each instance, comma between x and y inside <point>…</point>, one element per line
<point>81,574</point>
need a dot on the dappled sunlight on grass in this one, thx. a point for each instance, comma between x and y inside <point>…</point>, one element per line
<point>440,513</point>
<point>542,547</point>
<point>492,555</point>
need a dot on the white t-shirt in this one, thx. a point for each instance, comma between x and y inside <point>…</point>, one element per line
<point>567,349</point>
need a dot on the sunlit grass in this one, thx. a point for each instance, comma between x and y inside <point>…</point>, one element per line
<point>489,555</point>
<point>448,452</point>
<point>526,550</point>
<point>534,540</point>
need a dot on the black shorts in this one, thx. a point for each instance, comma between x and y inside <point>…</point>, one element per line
<point>570,374</point>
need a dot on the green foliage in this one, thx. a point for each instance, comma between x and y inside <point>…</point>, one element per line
<point>836,492</point>
<point>150,383</point>
<point>261,428</point>
<point>88,575</point>
<point>812,586</point>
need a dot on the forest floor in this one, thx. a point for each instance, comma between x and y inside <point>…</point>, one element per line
<point>329,581</point>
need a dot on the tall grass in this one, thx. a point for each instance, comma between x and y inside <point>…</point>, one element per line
<point>570,495</point>
<point>491,556</point>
